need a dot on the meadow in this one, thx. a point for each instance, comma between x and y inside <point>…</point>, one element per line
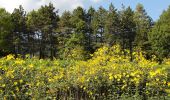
<point>108,75</point>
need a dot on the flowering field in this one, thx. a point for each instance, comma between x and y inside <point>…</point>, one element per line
<point>108,75</point>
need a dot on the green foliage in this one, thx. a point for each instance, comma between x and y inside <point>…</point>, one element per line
<point>159,37</point>
<point>6,27</point>
<point>73,48</point>
<point>111,26</point>
<point>77,71</point>
<point>127,29</point>
<point>90,31</point>
<point>143,26</point>
<point>108,75</point>
<point>78,19</point>
<point>65,23</point>
<point>42,26</point>
<point>45,34</point>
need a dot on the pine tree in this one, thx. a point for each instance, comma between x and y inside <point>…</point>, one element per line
<point>6,27</point>
<point>159,37</point>
<point>98,24</point>
<point>128,29</point>
<point>143,26</point>
<point>111,26</point>
<point>19,31</point>
<point>64,33</point>
<point>79,26</point>
<point>78,20</point>
<point>33,31</point>
<point>90,31</point>
<point>47,22</point>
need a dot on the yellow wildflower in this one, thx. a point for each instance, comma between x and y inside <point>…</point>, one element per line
<point>50,80</point>
<point>3,85</point>
<point>169,84</point>
<point>15,83</point>
<point>31,65</point>
<point>110,76</point>
<point>84,88</point>
<point>17,89</point>
<point>38,83</point>
<point>21,81</point>
<point>157,79</point>
<point>9,57</point>
<point>90,93</point>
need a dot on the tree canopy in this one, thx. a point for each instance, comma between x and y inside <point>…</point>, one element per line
<point>45,34</point>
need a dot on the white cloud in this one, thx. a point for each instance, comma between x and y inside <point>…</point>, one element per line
<point>29,5</point>
<point>96,1</point>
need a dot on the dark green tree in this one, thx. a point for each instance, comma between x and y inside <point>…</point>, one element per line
<point>6,27</point>
<point>111,26</point>
<point>79,27</point>
<point>98,25</point>
<point>33,32</point>
<point>78,20</point>
<point>19,31</point>
<point>64,23</point>
<point>159,37</point>
<point>47,23</point>
<point>143,26</point>
<point>73,48</point>
<point>127,29</point>
<point>64,33</point>
<point>89,18</point>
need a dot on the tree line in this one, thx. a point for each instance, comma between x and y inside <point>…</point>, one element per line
<point>77,34</point>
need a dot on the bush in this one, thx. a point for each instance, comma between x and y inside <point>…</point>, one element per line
<point>108,75</point>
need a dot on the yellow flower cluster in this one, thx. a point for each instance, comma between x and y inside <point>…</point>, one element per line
<point>108,74</point>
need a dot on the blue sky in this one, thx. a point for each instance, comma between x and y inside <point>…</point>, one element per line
<point>154,8</point>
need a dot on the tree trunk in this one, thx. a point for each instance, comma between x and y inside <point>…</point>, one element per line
<point>131,50</point>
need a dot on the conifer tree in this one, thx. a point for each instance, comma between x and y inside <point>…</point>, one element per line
<point>128,29</point>
<point>143,26</point>
<point>111,26</point>
<point>159,37</point>
<point>6,28</point>
<point>19,31</point>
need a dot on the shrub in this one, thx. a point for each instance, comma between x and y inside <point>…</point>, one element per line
<point>108,75</point>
